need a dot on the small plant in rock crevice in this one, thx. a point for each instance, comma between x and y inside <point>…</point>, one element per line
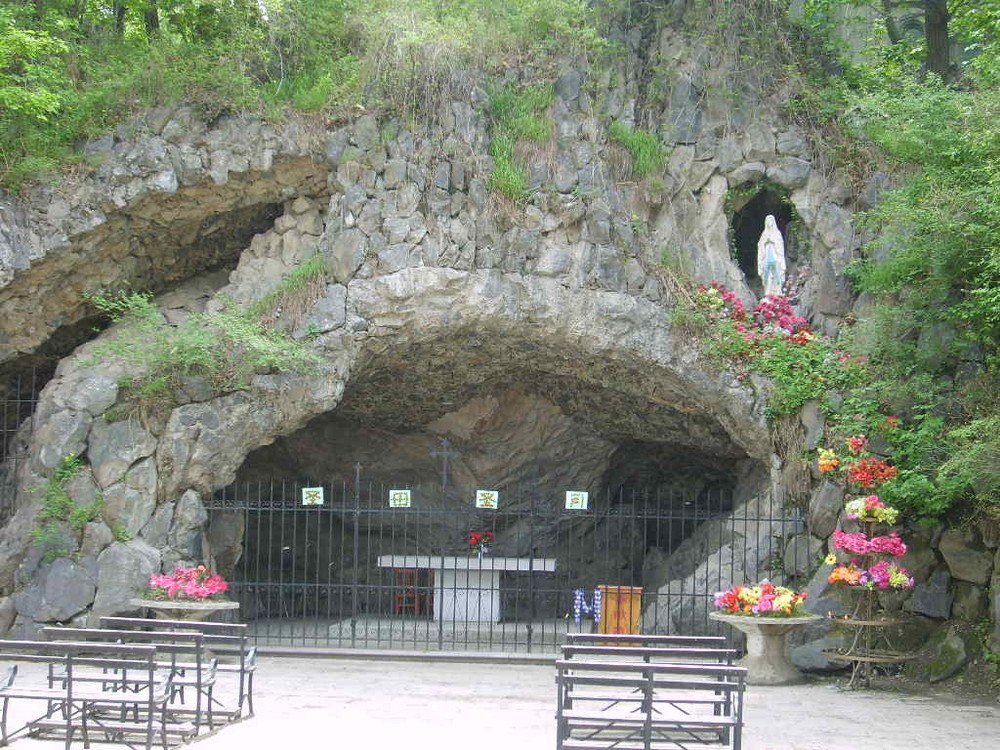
<point>225,348</point>
<point>60,518</point>
<point>647,152</point>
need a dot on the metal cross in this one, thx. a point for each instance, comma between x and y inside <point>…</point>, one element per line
<point>444,454</point>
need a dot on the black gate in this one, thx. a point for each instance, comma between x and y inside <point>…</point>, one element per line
<point>18,399</point>
<point>366,565</point>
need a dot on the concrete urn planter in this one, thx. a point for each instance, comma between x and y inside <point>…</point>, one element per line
<point>766,660</point>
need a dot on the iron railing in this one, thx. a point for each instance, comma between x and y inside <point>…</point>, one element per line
<point>356,572</point>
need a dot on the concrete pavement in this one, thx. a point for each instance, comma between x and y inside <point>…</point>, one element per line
<point>383,704</point>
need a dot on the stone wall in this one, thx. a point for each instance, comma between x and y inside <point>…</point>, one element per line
<point>437,294</point>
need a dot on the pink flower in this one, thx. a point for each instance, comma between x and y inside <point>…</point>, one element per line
<point>187,583</point>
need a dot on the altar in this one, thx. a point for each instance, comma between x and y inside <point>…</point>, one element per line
<point>467,589</point>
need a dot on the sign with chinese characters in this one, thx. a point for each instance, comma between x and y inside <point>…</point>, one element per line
<point>487,499</point>
<point>399,498</point>
<point>312,495</point>
<point>576,500</point>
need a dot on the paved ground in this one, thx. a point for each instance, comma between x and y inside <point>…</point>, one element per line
<point>381,704</point>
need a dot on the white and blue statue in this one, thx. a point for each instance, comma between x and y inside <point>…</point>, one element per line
<point>771,258</point>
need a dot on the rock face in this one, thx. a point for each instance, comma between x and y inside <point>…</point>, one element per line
<point>535,333</point>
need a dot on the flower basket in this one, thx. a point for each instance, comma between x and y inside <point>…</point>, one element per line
<point>763,599</point>
<point>186,594</point>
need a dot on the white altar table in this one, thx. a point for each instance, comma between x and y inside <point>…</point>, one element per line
<point>467,589</point>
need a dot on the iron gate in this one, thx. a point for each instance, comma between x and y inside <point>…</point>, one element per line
<point>18,399</point>
<point>337,565</point>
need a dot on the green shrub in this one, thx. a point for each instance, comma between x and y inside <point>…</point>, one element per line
<point>60,518</point>
<point>648,153</point>
<point>227,347</point>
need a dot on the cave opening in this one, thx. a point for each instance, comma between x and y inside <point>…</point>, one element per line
<point>747,224</point>
<point>443,421</point>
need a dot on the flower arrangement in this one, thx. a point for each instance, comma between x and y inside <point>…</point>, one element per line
<point>860,544</point>
<point>881,575</point>
<point>870,509</point>
<point>763,599</point>
<point>481,541</point>
<point>858,468</point>
<point>191,584</point>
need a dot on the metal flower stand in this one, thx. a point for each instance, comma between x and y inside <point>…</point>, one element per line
<point>869,645</point>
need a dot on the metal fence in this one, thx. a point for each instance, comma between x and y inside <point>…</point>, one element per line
<point>363,565</point>
<point>18,399</point>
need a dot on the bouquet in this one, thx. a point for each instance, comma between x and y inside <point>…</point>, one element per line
<point>187,584</point>
<point>481,541</point>
<point>881,575</point>
<point>763,599</point>
<point>870,509</point>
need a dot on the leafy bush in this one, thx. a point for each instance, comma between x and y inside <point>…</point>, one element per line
<point>227,347</point>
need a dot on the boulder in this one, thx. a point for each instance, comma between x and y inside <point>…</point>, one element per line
<point>933,597</point>
<point>123,572</point>
<point>58,591</point>
<point>969,603</point>
<point>115,446</point>
<point>813,656</point>
<point>944,655</point>
<point>825,506</point>
<point>967,559</point>
<point>801,554</point>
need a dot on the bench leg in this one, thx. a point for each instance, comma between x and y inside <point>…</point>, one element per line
<point>249,694</point>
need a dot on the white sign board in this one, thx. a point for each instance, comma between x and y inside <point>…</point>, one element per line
<point>399,498</point>
<point>312,495</point>
<point>576,500</point>
<point>487,499</point>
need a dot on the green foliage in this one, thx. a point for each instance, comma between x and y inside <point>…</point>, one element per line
<point>508,177</point>
<point>972,471</point>
<point>648,153</point>
<point>519,117</point>
<point>227,347</point>
<point>60,518</point>
<point>521,114</point>
<point>73,70</point>
<point>120,534</point>
<point>296,292</point>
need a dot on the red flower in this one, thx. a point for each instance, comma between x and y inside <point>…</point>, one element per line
<point>870,472</point>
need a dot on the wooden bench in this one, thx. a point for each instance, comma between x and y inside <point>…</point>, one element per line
<point>182,654</point>
<point>229,642</point>
<point>647,705</point>
<point>79,697</point>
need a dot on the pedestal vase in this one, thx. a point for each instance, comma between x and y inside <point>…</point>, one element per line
<point>177,609</point>
<point>766,660</point>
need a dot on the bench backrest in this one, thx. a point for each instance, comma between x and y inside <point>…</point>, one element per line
<point>707,641</point>
<point>652,653</point>
<point>659,676</point>
<point>215,634</point>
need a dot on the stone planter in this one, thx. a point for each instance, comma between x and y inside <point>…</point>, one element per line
<point>766,660</point>
<point>183,610</point>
